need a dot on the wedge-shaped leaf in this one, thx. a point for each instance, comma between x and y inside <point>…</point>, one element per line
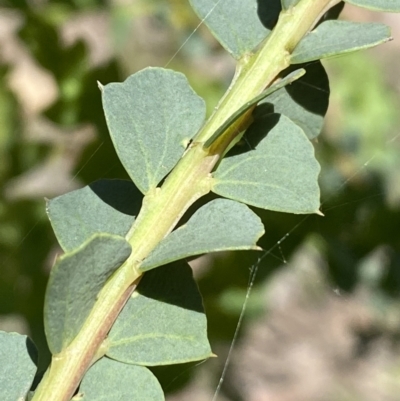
<point>163,322</point>
<point>219,225</point>
<point>105,206</point>
<point>112,380</point>
<point>332,38</point>
<point>378,5</point>
<point>305,101</point>
<point>74,283</point>
<point>238,25</point>
<point>151,117</point>
<point>18,359</point>
<point>279,173</point>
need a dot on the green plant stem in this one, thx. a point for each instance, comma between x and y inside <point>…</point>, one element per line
<point>260,70</point>
<point>68,367</point>
<point>189,180</point>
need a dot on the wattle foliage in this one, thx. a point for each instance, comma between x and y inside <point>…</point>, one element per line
<point>154,118</point>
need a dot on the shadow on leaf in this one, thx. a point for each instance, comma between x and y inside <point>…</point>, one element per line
<point>121,195</point>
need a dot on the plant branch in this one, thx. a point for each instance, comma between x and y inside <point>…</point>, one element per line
<point>68,367</point>
<point>190,179</point>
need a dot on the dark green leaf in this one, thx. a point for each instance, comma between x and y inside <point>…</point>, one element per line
<point>151,117</point>
<point>163,322</point>
<point>123,383</point>
<point>219,225</point>
<point>278,173</point>
<point>378,5</point>
<point>236,23</point>
<point>332,38</point>
<point>74,283</point>
<point>105,206</point>
<point>305,101</point>
<point>17,366</point>
<point>247,106</point>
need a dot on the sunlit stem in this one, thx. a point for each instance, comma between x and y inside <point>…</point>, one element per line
<point>189,180</point>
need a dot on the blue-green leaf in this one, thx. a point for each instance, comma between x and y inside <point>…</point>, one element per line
<point>332,38</point>
<point>279,172</point>
<point>238,25</point>
<point>151,117</point>
<point>18,357</point>
<point>163,322</point>
<point>105,206</point>
<point>219,225</point>
<point>377,5</point>
<point>74,284</point>
<point>305,101</point>
<point>123,383</point>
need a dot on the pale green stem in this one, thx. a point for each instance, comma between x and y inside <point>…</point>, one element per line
<point>189,180</point>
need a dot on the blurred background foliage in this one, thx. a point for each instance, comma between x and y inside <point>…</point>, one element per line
<point>323,320</point>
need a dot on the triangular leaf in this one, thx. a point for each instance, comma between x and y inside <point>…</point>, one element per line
<point>219,225</point>
<point>238,25</point>
<point>74,283</point>
<point>332,38</point>
<point>163,322</point>
<point>18,357</point>
<point>124,383</point>
<point>105,206</point>
<point>378,5</point>
<point>151,117</point>
<point>280,173</point>
<point>305,101</point>
<point>293,76</point>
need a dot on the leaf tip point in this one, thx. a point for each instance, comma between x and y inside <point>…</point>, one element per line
<point>100,86</point>
<point>320,213</point>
